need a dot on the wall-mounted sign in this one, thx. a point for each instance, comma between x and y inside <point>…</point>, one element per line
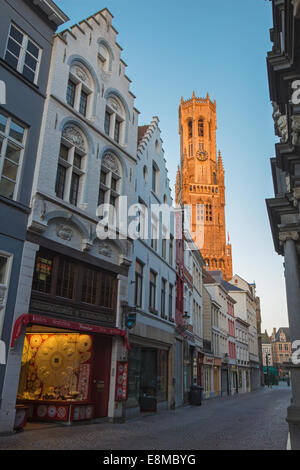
<point>121,381</point>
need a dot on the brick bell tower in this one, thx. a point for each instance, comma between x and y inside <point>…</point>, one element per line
<point>200,182</point>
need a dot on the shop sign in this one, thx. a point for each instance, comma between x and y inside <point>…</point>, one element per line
<point>218,362</point>
<point>121,381</point>
<point>27,319</point>
<point>208,361</point>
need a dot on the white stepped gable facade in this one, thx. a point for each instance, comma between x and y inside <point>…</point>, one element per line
<point>87,156</point>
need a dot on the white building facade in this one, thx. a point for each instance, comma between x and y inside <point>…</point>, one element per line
<point>244,295</point>
<point>73,281</point>
<point>152,280</point>
<point>242,355</point>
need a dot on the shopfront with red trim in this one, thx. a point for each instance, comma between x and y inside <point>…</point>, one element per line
<point>66,367</point>
<point>69,335</point>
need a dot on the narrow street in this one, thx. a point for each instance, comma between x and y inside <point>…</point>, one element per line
<point>254,421</point>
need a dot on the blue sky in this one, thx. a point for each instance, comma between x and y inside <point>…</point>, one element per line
<point>173,47</point>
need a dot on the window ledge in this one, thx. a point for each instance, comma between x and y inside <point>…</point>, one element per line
<point>16,204</point>
<point>21,77</point>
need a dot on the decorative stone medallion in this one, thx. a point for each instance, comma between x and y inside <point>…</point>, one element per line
<point>73,135</point>
<point>111,162</point>
<point>64,232</point>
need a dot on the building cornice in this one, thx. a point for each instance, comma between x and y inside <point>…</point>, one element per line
<point>53,12</point>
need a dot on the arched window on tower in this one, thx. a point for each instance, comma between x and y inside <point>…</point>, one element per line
<point>190,129</point>
<point>201,128</point>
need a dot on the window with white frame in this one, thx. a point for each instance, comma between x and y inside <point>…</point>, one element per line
<point>163,298</point>
<point>80,90</point>
<point>164,242</point>
<point>71,166</point>
<point>104,58</point>
<point>5,264</point>
<point>23,54</point>
<point>110,184</point>
<point>152,291</point>
<point>138,291</point>
<point>154,233</point>
<point>155,178</point>
<point>171,250</point>
<point>12,143</point>
<point>114,120</point>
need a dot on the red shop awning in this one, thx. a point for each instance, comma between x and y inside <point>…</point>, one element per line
<point>28,318</point>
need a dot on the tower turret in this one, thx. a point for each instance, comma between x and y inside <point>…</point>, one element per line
<point>202,181</point>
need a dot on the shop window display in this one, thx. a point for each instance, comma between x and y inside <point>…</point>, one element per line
<point>56,367</point>
<point>147,376</point>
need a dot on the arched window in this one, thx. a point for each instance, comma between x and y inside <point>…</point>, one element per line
<point>190,129</point>
<point>201,128</point>
<point>209,214</point>
<point>71,165</point>
<point>80,90</point>
<point>115,120</point>
<point>110,181</point>
<point>104,58</point>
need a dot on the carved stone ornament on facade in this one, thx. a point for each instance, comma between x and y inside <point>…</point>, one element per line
<point>105,250</point>
<point>73,135</point>
<point>111,162</point>
<point>81,74</point>
<point>64,232</point>
<point>290,235</point>
<point>280,124</point>
<point>295,129</point>
<point>114,105</point>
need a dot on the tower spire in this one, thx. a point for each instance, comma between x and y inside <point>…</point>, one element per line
<point>202,179</point>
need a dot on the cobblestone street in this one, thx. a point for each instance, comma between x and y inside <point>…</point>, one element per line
<point>254,421</point>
